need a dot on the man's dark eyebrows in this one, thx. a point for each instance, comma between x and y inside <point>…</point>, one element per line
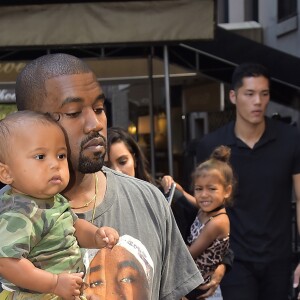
<point>95,269</point>
<point>71,100</point>
<point>80,100</point>
<point>101,97</point>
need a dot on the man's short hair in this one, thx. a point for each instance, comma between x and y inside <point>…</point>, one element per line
<point>30,83</point>
<point>248,70</point>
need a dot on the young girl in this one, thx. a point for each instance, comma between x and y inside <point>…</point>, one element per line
<point>209,237</point>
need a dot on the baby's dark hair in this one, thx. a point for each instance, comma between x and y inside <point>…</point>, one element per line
<point>218,160</point>
<point>15,121</point>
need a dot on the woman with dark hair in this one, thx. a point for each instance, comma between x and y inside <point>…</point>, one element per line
<point>125,155</point>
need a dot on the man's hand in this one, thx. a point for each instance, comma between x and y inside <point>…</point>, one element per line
<point>216,278</point>
<point>296,279</point>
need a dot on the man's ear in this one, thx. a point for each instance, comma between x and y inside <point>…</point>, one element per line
<point>5,175</point>
<point>232,96</point>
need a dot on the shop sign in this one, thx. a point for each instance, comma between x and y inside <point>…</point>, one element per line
<point>7,96</point>
<point>11,67</point>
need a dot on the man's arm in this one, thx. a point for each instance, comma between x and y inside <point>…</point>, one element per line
<point>228,260</point>
<point>296,182</point>
<point>215,280</point>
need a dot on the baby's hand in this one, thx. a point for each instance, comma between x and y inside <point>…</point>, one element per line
<point>106,237</point>
<point>68,285</point>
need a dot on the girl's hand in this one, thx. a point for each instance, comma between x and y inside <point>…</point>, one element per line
<point>166,183</point>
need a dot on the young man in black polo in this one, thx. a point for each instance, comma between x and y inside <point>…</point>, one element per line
<point>265,156</point>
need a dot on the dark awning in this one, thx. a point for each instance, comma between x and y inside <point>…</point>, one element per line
<point>106,22</point>
<point>215,58</point>
<point>218,57</point>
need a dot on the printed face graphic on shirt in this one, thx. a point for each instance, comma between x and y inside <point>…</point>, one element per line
<point>117,274</point>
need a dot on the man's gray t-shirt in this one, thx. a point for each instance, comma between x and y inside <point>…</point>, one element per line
<point>138,209</point>
<point>140,213</point>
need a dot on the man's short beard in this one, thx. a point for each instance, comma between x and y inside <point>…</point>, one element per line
<point>86,165</point>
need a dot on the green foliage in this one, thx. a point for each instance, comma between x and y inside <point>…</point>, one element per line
<point>6,109</point>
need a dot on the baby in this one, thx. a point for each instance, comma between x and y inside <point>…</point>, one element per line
<point>40,256</point>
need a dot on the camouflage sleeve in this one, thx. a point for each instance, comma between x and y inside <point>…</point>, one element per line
<point>74,216</point>
<point>63,200</point>
<point>16,232</point>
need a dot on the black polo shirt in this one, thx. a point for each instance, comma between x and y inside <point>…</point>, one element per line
<point>261,213</point>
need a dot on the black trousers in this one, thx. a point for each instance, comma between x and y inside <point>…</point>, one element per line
<point>257,281</point>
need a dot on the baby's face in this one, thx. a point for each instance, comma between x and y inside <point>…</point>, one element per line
<point>38,160</point>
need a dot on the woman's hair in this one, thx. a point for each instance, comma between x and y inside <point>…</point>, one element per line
<point>116,135</point>
<point>218,160</point>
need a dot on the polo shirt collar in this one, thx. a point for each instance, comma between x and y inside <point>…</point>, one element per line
<point>269,134</point>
